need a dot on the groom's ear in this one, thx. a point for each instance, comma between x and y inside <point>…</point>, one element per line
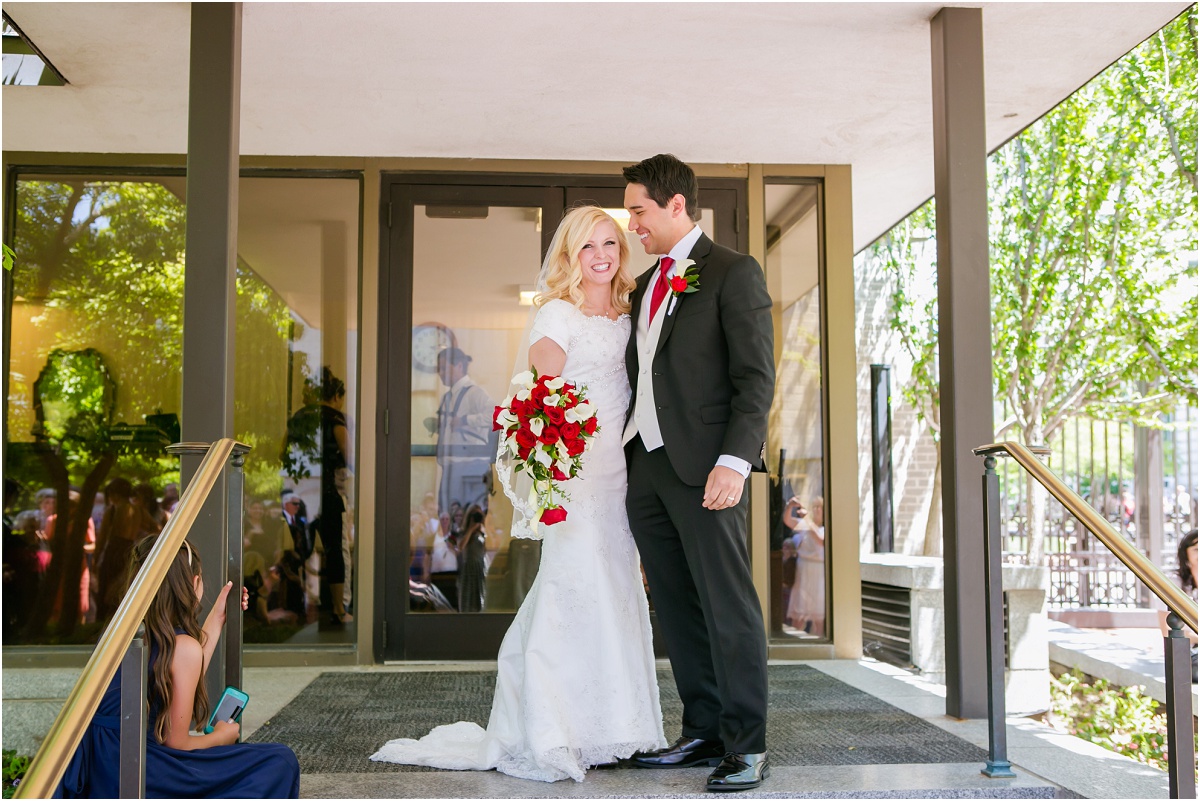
<point>677,205</point>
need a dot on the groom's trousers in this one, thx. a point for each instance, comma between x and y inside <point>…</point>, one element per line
<point>698,568</point>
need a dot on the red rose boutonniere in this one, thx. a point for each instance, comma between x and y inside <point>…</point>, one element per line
<point>684,282</point>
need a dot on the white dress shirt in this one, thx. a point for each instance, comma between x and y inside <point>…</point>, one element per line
<point>644,420</point>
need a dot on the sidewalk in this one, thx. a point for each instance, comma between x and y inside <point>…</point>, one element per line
<point>1049,763</point>
<point>1126,657</point>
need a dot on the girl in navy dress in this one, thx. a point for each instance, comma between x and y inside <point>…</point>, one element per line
<point>180,764</point>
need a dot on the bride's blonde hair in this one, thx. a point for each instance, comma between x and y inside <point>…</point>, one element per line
<point>564,274</point>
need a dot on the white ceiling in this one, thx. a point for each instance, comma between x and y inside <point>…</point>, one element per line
<point>812,83</point>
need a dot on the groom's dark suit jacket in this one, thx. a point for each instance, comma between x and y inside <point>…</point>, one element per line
<point>714,369</point>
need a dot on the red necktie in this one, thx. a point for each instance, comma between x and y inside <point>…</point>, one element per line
<point>660,286</point>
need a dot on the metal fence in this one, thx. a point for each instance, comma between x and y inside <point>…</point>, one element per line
<point>1105,463</point>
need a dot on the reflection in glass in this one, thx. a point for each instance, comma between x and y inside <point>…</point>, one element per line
<point>796,435</point>
<point>467,276</point>
<point>296,392</point>
<point>94,393</point>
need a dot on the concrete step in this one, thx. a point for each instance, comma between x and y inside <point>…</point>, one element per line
<point>953,780</point>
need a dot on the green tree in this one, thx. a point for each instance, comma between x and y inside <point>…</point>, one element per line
<point>1092,215</point>
<point>100,266</point>
<point>909,253</point>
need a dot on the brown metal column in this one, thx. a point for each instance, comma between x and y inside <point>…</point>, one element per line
<point>964,342</point>
<point>214,99</point>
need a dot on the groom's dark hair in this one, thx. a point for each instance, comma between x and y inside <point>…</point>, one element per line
<point>664,177</point>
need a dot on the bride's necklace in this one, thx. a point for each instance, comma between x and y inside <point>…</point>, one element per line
<point>606,312</point>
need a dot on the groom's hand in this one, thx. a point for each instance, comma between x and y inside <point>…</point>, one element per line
<point>724,488</point>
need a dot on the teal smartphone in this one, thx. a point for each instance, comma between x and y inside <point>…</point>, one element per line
<point>230,707</point>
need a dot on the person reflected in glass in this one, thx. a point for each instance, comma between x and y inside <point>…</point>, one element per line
<point>124,524</point>
<point>443,560</point>
<point>143,496</point>
<point>335,469</point>
<point>472,547</point>
<point>465,447</point>
<point>806,607</point>
<point>87,613</point>
<point>20,563</point>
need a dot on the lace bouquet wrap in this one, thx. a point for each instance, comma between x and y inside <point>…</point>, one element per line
<point>546,425</point>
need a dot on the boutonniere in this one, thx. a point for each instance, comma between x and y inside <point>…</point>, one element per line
<point>684,282</point>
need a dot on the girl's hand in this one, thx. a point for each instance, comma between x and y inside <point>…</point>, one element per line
<point>226,732</point>
<point>245,597</point>
<point>216,618</point>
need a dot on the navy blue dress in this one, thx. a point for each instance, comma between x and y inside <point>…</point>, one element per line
<point>242,770</point>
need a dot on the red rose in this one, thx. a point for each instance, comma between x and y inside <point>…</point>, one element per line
<point>525,439</point>
<point>517,407</point>
<point>575,447</point>
<point>570,401</point>
<point>543,379</point>
<point>538,394</point>
<point>590,425</point>
<point>570,431</point>
<point>557,474</point>
<point>678,283</point>
<point>555,514</point>
<point>554,414</point>
<point>495,422</point>
<point>550,435</point>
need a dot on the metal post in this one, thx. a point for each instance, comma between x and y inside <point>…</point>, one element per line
<point>235,482</point>
<point>214,103</point>
<point>133,719</point>
<point>881,455</point>
<point>1181,757</point>
<point>998,766</point>
<point>964,339</point>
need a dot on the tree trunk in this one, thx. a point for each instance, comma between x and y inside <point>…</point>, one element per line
<point>1036,499</point>
<point>933,521</point>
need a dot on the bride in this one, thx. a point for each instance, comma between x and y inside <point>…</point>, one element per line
<point>576,683</point>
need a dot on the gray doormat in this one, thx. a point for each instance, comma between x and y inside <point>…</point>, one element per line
<point>340,719</point>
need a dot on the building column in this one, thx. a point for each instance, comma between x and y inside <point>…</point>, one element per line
<point>214,99</point>
<point>964,342</point>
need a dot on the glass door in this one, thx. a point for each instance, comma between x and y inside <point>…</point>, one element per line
<point>461,261</point>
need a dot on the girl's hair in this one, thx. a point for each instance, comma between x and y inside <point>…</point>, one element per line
<point>1186,577</point>
<point>564,276</point>
<point>175,606</point>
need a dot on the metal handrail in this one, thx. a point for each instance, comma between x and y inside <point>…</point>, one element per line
<point>50,762</point>
<point>1150,574</point>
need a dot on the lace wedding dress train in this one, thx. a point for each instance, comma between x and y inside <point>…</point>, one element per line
<point>575,684</point>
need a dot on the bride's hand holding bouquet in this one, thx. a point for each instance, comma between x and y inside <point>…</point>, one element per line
<point>547,426</point>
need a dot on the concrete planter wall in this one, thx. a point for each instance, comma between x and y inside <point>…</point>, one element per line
<point>1027,680</point>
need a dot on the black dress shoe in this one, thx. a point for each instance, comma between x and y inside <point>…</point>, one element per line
<point>686,752</point>
<point>739,772</point>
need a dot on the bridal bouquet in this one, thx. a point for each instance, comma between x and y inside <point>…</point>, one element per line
<point>547,424</point>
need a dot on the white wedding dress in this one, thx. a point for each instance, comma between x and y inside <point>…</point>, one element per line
<point>576,681</point>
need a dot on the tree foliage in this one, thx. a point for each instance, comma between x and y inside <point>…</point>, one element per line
<point>1092,231</point>
<point>100,274</point>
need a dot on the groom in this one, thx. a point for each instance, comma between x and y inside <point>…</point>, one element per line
<point>701,366</point>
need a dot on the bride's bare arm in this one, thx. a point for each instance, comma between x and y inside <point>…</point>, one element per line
<point>547,357</point>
